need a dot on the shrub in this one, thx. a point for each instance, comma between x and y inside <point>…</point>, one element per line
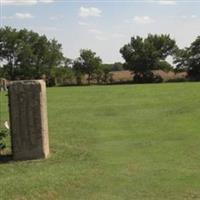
<point>147,77</point>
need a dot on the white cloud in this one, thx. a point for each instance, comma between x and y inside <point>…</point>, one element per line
<point>101,38</point>
<point>83,23</point>
<point>143,20</point>
<point>7,17</point>
<point>184,17</point>
<point>46,1</point>
<point>24,2</point>
<point>95,31</point>
<point>19,2</point>
<point>98,35</point>
<point>24,16</point>
<point>194,16</point>
<point>164,2</point>
<point>167,2</point>
<point>89,12</point>
<point>19,16</point>
<point>127,21</point>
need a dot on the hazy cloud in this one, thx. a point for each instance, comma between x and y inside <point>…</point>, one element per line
<point>95,31</point>
<point>194,16</point>
<point>143,20</point>
<point>164,2</point>
<point>89,12</point>
<point>83,23</point>
<point>24,16</point>
<point>19,16</point>
<point>24,2</point>
<point>188,16</point>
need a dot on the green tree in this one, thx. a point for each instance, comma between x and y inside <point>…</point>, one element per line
<point>107,69</point>
<point>98,75</point>
<point>78,71</point>
<point>188,59</point>
<point>165,66</point>
<point>88,63</point>
<point>9,45</point>
<point>26,55</point>
<point>63,75</point>
<point>144,55</point>
<point>117,66</point>
<point>181,60</point>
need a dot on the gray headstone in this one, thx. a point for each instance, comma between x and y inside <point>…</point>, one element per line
<point>28,120</point>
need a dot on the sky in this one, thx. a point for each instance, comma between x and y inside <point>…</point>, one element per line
<point>103,26</point>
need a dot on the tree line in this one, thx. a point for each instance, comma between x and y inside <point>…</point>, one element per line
<point>27,55</point>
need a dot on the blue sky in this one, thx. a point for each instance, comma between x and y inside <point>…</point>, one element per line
<point>103,26</point>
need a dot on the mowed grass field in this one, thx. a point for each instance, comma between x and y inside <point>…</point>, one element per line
<point>123,142</point>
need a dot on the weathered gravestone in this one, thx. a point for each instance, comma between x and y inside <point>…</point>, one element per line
<point>28,120</point>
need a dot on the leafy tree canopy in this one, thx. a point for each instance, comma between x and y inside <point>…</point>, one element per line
<point>88,63</point>
<point>143,55</point>
<point>25,54</point>
<point>188,59</point>
<point>117,66</point>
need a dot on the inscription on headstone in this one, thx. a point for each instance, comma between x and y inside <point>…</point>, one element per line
<point>28,120</point>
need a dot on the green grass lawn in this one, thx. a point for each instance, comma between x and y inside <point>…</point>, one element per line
<point>123,142</point>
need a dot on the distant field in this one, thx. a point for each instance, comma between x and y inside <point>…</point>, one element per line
<point>123,76</point>
<point>127,76</point>
<point>124,142</point>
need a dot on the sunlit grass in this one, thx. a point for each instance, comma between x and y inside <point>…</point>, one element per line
<point>115,143</point>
